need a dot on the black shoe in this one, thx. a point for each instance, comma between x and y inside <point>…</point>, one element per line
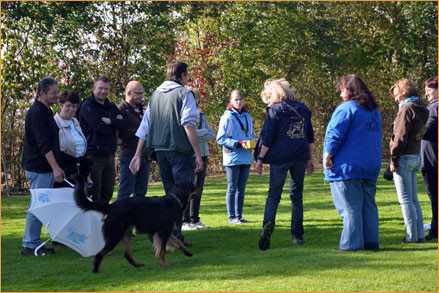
<point>25,251</point>
<point>57,244</point>
<point>264,241</point>
<point>430,237</point>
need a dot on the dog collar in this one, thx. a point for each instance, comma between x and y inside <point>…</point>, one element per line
<point>178,200</point>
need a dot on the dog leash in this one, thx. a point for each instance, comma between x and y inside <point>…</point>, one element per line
<point>176,198</point>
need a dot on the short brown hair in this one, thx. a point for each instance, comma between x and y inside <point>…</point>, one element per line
<point>68,96</point>
<point>175,71</point>
<point>431,82</point>
<point>405,87</point>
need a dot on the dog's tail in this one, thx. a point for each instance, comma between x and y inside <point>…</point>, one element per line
<point>81,199</point>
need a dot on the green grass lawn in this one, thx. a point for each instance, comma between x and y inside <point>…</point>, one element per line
<point>227,258</point>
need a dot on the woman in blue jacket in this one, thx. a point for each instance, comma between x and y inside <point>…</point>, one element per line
<point>234,131</point>
<point>287,145</point>
<point>352,162</point>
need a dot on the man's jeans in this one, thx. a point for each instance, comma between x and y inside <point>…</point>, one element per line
<point>32,230</point>
<point>136,184</point>
<point>236,181</point>
<point>192,213</point>
<point>355,202</point>
<point>406,188</point>
<point>278,173</point>
<point>103,174</point>
<point>175,168</point>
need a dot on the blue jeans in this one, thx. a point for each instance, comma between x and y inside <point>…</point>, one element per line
<point>175,168</point>
<point>32,229</point>
<point>136,184</point>
<point>236,181</point>
<point>355,202</point>
<point>278,173</point>
<point>405,183</point>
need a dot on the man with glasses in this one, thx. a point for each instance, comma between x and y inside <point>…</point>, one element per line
<point>132,107</point>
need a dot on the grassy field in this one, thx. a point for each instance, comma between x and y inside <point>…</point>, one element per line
<point>227,258</point>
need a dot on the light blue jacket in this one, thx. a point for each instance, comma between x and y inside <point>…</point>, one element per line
<point>230,133</point>
<point>354,137</point>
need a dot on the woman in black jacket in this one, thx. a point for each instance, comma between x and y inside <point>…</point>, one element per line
<point>287,145</point>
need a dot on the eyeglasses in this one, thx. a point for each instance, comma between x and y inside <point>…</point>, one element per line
<point>139,93</point>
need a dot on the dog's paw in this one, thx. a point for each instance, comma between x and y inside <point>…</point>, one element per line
<point>165,265</point>
<point>139,265</point>
<point>188,253</point>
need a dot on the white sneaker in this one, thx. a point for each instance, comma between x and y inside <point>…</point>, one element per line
<point>200,225</point>
<point>188,227</point>
<point>235,221</point>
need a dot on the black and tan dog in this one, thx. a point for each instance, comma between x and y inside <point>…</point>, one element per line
<point>156,216</point>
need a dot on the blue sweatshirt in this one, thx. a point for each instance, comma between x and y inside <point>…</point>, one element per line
<point>354,137</point>
<point>230,133</point>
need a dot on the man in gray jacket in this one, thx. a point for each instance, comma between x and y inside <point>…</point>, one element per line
<point>169,128</point>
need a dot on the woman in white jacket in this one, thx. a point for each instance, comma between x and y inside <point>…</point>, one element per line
<point>72,141</point>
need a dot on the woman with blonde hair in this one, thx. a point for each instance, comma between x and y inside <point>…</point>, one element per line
<point>287,145</point>
<point>405,158</point>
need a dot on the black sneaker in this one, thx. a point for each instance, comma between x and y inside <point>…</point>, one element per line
<point>25,251</point>
<point>430,237</point>
<point>264,241</point>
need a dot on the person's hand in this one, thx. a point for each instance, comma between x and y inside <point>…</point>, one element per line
<point>119,116</point>
<point>199,164</point>
<point>258,166</point>
<point>245,146</point>
<point>310,167</point>
<point>327,161</point>
<point>59,174</point>
<point>393,167</point>
<point>106,120</point>
<point>135,164</point>
<point>328,164</point>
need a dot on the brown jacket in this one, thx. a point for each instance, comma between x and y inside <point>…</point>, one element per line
<point>127,139</point>
<point>408,129</point>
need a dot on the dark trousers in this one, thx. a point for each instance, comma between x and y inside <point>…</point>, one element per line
<point>129,183</point>
<point>430,180</point>
<point>175,168</point>
<point>192,213</point>
<point>278,174</point>
<point>103,173</point>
